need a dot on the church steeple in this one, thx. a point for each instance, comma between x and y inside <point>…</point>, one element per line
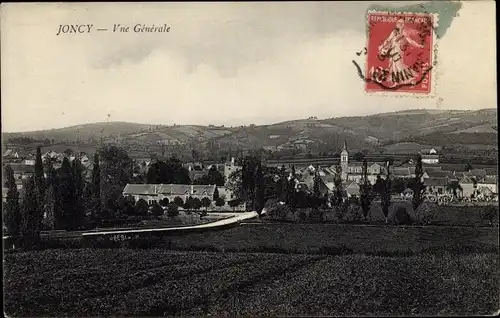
<point>345,145</point>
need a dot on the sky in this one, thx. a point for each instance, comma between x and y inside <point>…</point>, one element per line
<point>221,63</point>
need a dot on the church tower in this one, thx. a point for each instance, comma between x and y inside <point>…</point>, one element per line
<point>344,161</point>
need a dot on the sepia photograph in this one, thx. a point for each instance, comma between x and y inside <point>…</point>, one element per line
<point>250,159</point>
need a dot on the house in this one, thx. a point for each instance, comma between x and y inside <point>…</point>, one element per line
<point>7,153</point>
<point>11,154</point>
<point>28,162</point>
<point>439,174</point>
<point>147,192</point>
<point>490,183</point>
<point>468,186</point>
<point>157,192</point>
<point>429,156</point>
<point>430,159</point>
<point>22,171</point>
<point>351,188</point>
<point>402,172</point>
<point>436,185</point>
<point>84,159</point>
<point>491,172</point>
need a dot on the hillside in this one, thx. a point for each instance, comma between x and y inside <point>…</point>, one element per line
<point>398,132</point>
<point>85,132</point>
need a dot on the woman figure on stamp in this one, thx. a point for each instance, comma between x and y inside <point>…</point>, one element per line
<point>393,48</point>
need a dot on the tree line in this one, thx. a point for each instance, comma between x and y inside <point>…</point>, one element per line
<point>72,198</point>
<point>256,183</point>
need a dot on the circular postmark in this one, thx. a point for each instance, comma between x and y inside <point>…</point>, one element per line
<point>399,52</point>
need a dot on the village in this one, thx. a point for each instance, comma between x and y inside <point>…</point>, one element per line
<point>442,185</point>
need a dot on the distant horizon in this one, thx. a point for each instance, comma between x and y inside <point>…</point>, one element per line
<point>224,63</point>
<point>239,125</point>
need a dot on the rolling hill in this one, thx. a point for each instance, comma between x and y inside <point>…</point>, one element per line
<point>393,132</point>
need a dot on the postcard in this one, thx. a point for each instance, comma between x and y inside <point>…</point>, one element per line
<point>250,158</point>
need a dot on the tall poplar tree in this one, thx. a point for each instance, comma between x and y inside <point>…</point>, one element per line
<point>95,189</point>
<point>259,191</point>
<point>31,212</point>
<point>418,184</point>
<point>66,190</point>
<point>386,192</point>
<point>12,212</point>
<point>78,207</point>
<point>39,177</point>
<point>365,188</point>
<point>291,191</point>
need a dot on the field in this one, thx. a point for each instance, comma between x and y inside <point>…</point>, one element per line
<point>315,238</point>
<point>156,282</point>
<point>268,269</point>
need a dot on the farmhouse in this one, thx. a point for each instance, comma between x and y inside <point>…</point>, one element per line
<point>157,192</point>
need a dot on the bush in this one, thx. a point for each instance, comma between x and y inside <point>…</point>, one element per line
<point>302,216</point>
<point>172,210</point>
<point>141,207</point>
<point>178,201</point>
<point>220,202</point>
<point>354,213</point>
<point>316,215</point>
<point>425,213</point>
<point>157,210</point>
<point>340,211</point>
<point>205,202</point>
<point>164,202</point>
<point>489,213</point>
<point>401,216</point>
<point>196,204</point>
<point>278,211</point>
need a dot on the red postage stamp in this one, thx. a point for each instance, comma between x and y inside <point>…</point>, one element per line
<point>399,52</point>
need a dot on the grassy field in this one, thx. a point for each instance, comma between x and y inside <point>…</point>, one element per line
<point>314,238</point>
<point>157,282</point>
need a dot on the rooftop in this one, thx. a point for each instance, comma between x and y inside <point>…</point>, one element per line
<point>168,189</point>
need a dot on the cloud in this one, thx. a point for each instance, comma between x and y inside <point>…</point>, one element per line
<point>221,64</point>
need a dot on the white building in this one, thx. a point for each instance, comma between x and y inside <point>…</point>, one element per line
<point>430,156</point>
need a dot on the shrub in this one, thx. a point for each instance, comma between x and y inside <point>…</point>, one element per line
<point>172,210</point>
<point>220,202</point>
<point>316,215</point>
<point>354,213</point>
<point>278,211</point>
<point>178,201</point>
<point>141,207</point>
<point>205,202</point>
<point>425,213</point>
<point>196,203</point>
<point>490,212</point>
<point>401,216</point>
<point>340,211</point>
<point>302,216</point>
<point>157,210</point>
<point>164,202</point>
